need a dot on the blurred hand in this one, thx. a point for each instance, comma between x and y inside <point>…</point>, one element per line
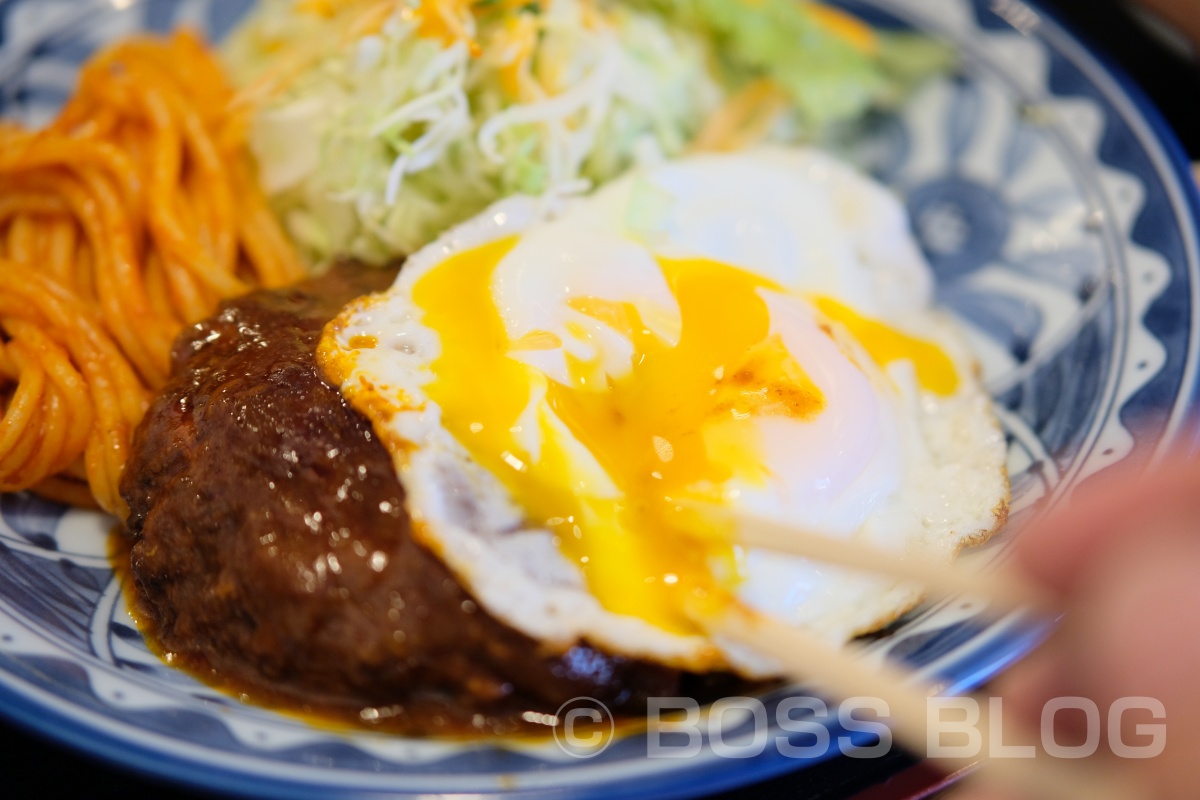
<point>1124,561</point>
<point>1183,14</point>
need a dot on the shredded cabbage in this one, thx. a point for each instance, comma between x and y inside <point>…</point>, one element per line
<point>377,124</point>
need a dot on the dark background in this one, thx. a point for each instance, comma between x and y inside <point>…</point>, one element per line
<point>31,766</point>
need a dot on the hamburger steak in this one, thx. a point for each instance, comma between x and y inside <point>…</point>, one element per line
<point>271,553</point>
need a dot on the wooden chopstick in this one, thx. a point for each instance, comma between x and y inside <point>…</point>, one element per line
<point>1000,587</point>
<point>838,671</point>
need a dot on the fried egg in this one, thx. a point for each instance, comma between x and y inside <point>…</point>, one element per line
<point>589,404</point>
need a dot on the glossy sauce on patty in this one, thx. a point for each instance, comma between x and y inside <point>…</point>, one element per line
<point>271,553</point>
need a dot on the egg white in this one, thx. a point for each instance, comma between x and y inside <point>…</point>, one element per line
<point>903,468</point>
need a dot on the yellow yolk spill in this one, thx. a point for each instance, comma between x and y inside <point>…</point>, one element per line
<point>935,370</point>
<point>669,435</point>
<point>674,430</point>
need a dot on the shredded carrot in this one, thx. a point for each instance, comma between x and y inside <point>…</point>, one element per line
<point>744,119</point>
<point>846,27</point>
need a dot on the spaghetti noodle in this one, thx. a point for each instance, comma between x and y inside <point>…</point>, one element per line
<point>134,214</point>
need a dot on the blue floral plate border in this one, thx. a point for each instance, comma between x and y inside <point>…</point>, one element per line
<point>1060,215</point>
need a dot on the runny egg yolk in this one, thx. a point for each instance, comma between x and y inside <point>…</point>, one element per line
<point>669,435</point>
<point>935,370</point>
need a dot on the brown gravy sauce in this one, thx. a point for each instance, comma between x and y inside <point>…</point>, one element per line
<point>268,552</point>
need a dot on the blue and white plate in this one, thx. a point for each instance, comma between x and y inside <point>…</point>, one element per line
<point>1060,217</point>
